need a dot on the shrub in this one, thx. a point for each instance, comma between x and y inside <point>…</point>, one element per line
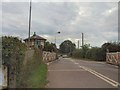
<point>13,51</point>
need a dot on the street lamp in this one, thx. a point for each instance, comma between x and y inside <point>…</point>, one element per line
<point>56,45</point>
<point>55,36</point>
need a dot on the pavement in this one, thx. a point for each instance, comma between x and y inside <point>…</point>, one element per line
<point>71,73</point>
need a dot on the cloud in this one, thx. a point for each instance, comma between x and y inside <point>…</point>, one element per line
<point>110,11</point>
<point>98,21</point>
<point>61,1</point>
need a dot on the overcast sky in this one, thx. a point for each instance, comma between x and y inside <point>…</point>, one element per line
<point>98,21</point>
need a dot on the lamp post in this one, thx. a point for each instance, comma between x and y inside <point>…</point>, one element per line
<point>55,36</point>
<point>56,45</point>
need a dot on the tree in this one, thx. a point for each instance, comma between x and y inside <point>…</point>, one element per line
<point>50,47</point>
<point>67,47</point>
<point>76,53</point>
<point>84,50</point>
<point>111,47</point>
<point>13,52</point>
<point>96,53</point>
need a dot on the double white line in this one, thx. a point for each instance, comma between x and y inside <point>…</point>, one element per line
<point>108,80</point>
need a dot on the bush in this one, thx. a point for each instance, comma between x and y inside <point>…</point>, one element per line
<point>32,74</point>
<point>95,53</point>
<point>81,53</point>
<point>13,52</point>
<point>76,53</point>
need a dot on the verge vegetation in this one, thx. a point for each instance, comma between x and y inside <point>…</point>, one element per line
<point>34,72</point>
<point>95,53</point>
<point>30,75</point>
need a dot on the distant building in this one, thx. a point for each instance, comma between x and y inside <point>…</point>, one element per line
<point>35,41</point>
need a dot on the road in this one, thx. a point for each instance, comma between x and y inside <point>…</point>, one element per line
<point>70,73</point>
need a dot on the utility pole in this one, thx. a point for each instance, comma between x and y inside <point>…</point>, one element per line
<point>29,24</point>
<point>78,44</point>
<point>82,39</point>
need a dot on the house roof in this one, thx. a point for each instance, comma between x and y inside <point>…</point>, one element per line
<point>35,37</point>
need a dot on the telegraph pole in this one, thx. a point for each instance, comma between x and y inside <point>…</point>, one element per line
<point>78,44</point>
<point>82,39</point>
<point>29,24</point>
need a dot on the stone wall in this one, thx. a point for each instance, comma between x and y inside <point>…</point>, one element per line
<point>49,56</point>
<point>28,55</point>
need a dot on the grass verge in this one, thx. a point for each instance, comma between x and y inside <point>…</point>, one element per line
<point>34,72</point>
<point>38,77</point>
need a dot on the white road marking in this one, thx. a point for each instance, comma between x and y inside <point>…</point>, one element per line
<point>105,78</point>
<point>66,70</point>
<point>108,80</point>
<point>76,63</point>
<point>72,60</point>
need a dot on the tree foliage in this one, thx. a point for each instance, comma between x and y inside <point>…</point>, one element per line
<point>111,47</point>
<point>50,47</point>
<point>13,51</point>
<point>67,47</point>
<point>81,53</point>
<point>96,53</point>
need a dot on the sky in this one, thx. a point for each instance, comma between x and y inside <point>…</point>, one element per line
<point>97,20</point>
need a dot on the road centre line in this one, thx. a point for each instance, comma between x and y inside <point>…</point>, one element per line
<point>100,75</point>
<point>72,60</point>
<point>108,80</point>
<point>76,63</point>
<point>66,70</point>
<point>105,77</point>
<point>115,85</point>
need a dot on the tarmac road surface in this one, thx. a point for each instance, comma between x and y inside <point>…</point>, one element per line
<point>70,73</point>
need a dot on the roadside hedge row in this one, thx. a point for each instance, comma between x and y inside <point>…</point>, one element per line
<point>31,74</point>
<point>13,52</point>
<point>96,53</point>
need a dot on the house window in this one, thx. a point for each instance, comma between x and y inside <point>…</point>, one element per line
<point>42,42</point>
<point>32,42</point>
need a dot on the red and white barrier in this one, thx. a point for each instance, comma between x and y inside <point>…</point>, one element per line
<point>113,58</point>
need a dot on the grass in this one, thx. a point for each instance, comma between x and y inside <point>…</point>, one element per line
<point>34,72</point>
<point>37,78</point>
